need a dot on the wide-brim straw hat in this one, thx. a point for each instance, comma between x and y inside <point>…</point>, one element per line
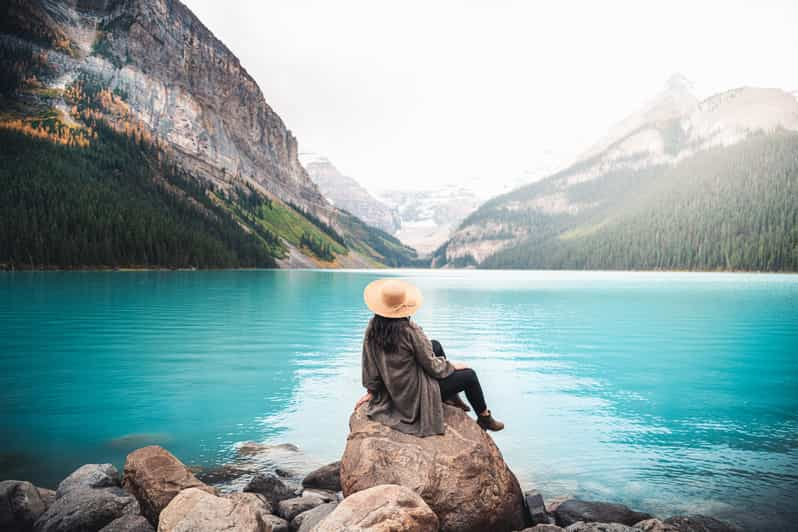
<point>392,298</point>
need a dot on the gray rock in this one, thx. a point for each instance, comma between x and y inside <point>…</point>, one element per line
<point>20,505</point>
<point>580,526</point>
<point>271,487</point>
<point>306,521</point>
<point>699,523</point>
<point>325,495</point>
<point>325,478</point>
<point>90,476</point>
<point>278,524</point>
<point>81,509</point>
<point>655,525</point>
<point>544,528</point>
<point>290,508</point>
<point>536,509</point>
<point>48,496</point>
<point>194,509</point>
<point>129,523</point>
<point>575,510</point>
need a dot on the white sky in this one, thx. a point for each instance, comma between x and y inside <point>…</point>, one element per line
<point>413,95</point>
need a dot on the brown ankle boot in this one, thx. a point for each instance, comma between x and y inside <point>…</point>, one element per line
<point>455,400</point>
<point>488,423</point>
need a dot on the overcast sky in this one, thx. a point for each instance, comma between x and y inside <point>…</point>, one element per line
<point>418,94</point>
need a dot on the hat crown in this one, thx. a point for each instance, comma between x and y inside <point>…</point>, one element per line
<point>393,294</point>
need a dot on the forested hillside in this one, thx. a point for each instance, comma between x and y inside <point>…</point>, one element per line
<point>732,208</point>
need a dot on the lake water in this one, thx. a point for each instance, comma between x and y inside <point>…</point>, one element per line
<point>669,392</point>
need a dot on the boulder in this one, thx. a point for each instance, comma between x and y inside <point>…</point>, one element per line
<point>195,509</point>
<point>129,523</point>
<point>154,476</point>
<point>90,476</point>
<point>324,478</point>
<point>385,508</point>
<point>655,525</point>
<point>278,524</point>
<point>699,523</point>
<point>574,510</point>
<point>536,509</point>
<point>461,474</point>
<point>290,508</point>
<point>81,509</point>
<point>305,521</point>
<point>544,528</point>
<point>580,526</point>
<point>20,505</point>
<point>48,496</point>
<point>271,487</point>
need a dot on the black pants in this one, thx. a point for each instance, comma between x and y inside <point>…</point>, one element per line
<point>461,380</point>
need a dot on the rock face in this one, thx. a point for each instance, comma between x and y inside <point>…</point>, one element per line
<point>194,509</point>
<point>154,476</point>
<point>324,478</point>
<point>270,487</point>
<point>385,508</point>
<point>699,523</point>
<point>82,508</point>
<point>574,510</point>
<point>129,523</point>
<point>90,476</point>
<point>349,195</point>
<point>461,474</point>
<point>20,505</point>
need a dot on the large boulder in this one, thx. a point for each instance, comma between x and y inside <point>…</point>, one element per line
<point>81,509</point>
<point>194,509</point>
<point>386,508</point>
<point>89,476</point>
<point>155,477</point>
<point>129,523</point>
<point>699,523</point>
<point>575,510</point>
<point>305,521</point>
<point>271,487</point>
<point>461,474</point>
<point>324,478</point>
<point>21,505</point>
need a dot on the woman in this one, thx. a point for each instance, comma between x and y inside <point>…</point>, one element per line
<point>406,382</point>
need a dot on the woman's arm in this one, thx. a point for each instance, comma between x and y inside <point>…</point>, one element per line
<point>371,374</point>
<point>437,367</point>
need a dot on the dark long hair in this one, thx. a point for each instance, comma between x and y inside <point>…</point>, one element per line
<point>385,333</point>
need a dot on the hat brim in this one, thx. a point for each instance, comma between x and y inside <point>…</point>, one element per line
<point>373,299</point>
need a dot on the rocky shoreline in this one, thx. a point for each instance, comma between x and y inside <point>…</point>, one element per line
<point>385,481</point>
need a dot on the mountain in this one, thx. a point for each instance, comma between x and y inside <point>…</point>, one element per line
<point>680,184</point>
<point>155,112</point>
<point>347,194</point>
<point>427,217</point>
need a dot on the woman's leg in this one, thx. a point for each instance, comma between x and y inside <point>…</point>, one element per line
<point>464,380</point>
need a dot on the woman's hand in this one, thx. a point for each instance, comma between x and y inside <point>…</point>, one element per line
<point>366,398</point>
<point>459,365</point>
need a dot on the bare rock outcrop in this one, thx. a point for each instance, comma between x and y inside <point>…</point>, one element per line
<point>154,476</point>
<point>461,474</point>
<point>385,508</point>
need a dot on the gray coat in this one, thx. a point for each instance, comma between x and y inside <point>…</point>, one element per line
<point>405,384</point>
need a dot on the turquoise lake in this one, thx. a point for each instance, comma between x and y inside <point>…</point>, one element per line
<point>669,392</point>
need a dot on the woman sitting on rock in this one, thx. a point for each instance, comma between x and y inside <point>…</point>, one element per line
<point>406,381</point>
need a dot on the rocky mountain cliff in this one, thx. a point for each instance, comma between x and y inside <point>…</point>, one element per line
<point>647,163</point>
<point>151,71</point>
<point>349,195</point>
